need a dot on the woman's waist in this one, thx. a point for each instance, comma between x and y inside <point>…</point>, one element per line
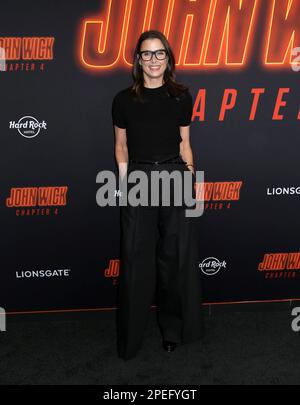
<point>158,160</point>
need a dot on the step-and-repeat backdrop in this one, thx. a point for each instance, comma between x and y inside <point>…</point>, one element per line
<point>61,65</point>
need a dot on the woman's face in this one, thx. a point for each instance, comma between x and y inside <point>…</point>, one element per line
<point>155,67</point>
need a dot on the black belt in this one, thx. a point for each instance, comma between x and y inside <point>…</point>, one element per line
<point>176,159</point>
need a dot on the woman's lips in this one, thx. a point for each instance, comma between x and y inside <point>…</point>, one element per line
<point>154,68</point>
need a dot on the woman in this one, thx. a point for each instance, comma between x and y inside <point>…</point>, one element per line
<point>158,243</point>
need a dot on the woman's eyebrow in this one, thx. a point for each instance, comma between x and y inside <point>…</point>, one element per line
<point>148,50</point>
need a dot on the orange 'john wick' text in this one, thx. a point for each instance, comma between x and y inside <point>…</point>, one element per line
<point>204,34</point>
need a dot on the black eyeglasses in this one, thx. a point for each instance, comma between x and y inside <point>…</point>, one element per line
<point>160,54</point>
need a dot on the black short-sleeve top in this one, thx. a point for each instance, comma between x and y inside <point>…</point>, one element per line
<point>152,127</point>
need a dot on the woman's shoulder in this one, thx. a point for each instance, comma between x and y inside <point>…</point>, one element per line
<point>123,94</point>
<point>178,90</point>
<point>184,95</point>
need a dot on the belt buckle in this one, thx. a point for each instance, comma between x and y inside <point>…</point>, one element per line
<point>156,162</point>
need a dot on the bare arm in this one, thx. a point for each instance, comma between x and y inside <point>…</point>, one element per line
<point>121,151</point>
<point>185,147</point>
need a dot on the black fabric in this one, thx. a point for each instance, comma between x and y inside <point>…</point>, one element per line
<point>152,128</point>
<point>159,253</point>
<point>176,159</point>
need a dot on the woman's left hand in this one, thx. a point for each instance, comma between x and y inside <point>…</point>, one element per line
<point>191,168</point>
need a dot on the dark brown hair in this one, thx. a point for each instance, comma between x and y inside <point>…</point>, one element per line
<point>174,88</point>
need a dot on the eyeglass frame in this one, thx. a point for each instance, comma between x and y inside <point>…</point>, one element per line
<point>153,53</point>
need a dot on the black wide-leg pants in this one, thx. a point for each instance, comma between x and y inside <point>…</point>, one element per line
<point>158,253</point>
